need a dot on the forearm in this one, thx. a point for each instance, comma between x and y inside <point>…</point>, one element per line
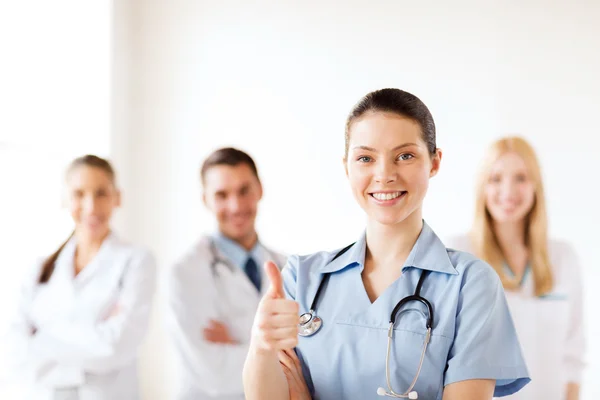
<point>65,341</point>
<point>572,391</point>
<point>94,347</point>
<point>263,376</point>
<point>473,389</point>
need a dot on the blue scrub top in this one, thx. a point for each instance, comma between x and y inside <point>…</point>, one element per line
<point>473,335</point>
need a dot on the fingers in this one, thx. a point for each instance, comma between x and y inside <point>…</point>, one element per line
<point>283,320</point>
<point>276,324</point>
<point>215,324</point>
<point>217,337</point>
<point>281,333</point>
<point>272,344</point>
<point>289,358</point>
<point>289,343</point>
<point>285,359</point>
<point>213,335</point>
<point>217,332</point>
<point>214,328</point>
<point>116,310</point>
<point>294,357</point>
<point>276,321</point>
<point>282,307</point>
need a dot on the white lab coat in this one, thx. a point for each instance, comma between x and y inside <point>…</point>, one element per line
<point>194,295</point>
<point>550,329</point>
<point>77,344</point>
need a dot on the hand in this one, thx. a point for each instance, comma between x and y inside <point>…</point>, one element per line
<point>276,320</point>
<point>293,373</point>
<point>217,332</point>
<point>113,311</point>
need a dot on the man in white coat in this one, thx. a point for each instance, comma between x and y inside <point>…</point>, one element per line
<point>213,291</point>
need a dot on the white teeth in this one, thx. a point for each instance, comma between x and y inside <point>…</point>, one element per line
<point>386,196</point>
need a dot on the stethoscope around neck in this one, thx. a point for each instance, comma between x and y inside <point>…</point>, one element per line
<point>309,324</point>
<point>216,259</point>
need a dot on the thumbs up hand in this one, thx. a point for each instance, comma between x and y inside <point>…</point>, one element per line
<point>276,321</point>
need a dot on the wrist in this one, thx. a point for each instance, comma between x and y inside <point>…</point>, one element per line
<point>258,350</point>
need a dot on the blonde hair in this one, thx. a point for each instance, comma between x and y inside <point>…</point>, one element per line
<point>536,227</point>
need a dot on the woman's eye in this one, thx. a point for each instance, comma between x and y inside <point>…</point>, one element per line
<point>521,178</point>
<point>364,159</point>
<point>405,157</point>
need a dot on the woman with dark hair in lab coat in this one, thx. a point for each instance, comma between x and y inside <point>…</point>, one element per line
<point>84,310</point>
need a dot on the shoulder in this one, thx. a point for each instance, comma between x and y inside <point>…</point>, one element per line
<point>309,264</point>
<point>144,260</point>
<point>303,271</point>
<point>467,264</point>
<point>564,260</point>
<point>459,242</point>
<point>123,245</point>
<point>278,257</point>
<point>135,263</point>
<point>191,259</point>
<point>561,251</point>
<point>31,273</point>
<point>473,271</point>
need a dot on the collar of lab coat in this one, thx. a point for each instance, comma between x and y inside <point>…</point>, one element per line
<point>65,267</point>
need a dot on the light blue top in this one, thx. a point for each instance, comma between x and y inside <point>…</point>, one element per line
<point>473,335</point>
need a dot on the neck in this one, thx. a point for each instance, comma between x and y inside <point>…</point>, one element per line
<point>510,235</point>
<point>247,242</point>
<point>86,249</point>
<point>511,239</point>
<point>391,244</point>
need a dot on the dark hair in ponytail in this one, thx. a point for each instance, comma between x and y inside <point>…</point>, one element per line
<point>87,161</point>
<point>48,265</point>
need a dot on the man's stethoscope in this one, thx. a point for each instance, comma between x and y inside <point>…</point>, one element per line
<point>216,259</point>
<point>310,324</point>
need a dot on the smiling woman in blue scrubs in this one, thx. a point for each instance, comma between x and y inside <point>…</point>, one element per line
<point>471,350</point>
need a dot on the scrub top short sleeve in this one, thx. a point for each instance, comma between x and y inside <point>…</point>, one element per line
<point>485,345</point>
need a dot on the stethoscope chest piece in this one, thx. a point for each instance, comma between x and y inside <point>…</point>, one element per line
<point>309,324</point>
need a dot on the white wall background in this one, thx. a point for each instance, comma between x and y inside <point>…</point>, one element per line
<point>278,79</point>
<point>54,106</point>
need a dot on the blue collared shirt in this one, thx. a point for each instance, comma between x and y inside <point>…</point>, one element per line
<point>473,335</point>
<point>237,255</point>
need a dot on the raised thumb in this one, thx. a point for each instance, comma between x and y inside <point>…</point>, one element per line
<point>274,275</point>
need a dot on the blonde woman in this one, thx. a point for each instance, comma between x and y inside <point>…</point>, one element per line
<point>541,277</point>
